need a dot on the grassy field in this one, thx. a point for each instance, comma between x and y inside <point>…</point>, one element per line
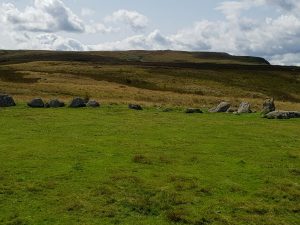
<point>116,166</point>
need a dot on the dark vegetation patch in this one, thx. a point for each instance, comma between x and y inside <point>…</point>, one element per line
<point>116,57</point>
<point>142,159</point>
<point>8,75</point>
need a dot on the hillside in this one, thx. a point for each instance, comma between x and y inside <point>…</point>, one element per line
<point>148,77</point>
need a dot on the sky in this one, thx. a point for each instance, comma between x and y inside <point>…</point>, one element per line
<point>265,28</point>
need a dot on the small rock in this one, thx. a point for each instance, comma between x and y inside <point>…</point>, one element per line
<point>193,110</point>
<point>6,101</point>
<point>282,115</point>
<point>36,103</point>
<point>135,107</point>
<point>268,106</point>
<point>55,103</point>
<point>93,104</point>
<point>222,107</point>
<point>77,103</point>
<point>244,108</point>
<point>47,105</point>
<point>231,110</point>
<point>167,110</point>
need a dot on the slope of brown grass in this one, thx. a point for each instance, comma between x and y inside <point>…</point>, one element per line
<point>152,78</point>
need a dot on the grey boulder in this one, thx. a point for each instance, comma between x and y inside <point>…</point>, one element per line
<point>231,110</point>
<point>244,107</point>
<point>77,103</point>
<point>282,115</point>
<point>6,101</point>
<point>93,104</point>
<point>55,103</point>
<point>36,103</point>
<point>222,107</point>
<point>135,107</point>
<point>193,110</point>
<point>168,110</point>
<point>268,106</point>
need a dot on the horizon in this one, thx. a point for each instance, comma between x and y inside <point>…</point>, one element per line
<point>259,28</point>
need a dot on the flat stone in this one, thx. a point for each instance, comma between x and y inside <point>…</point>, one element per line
<point>282,115</point>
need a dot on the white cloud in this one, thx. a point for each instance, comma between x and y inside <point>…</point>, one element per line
<point>286,59</point>
<point>48,42</point>
<point>153,41</point>
<point>233,9</point>
<point>135,20</point>
<point>43,16</point>
<point>100,28</point>
<point>287,5</point>
<point>87,12</point>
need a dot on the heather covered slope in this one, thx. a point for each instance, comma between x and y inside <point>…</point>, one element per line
<point>148,77</point>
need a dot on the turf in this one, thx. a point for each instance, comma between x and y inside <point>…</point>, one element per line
<point>116,166</point>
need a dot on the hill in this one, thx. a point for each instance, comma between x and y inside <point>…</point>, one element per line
<point>148,77</point>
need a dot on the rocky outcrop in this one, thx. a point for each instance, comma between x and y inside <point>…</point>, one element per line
<point>93,104</point>
<point>193,110</point>
<point>244,107</point>
<point>231,110</point>
<point>55,103</point>
<point>135,107</point>
<point>6,101</point>
<point>77,103</point>
<point>36,103</point>
<point>222,107</point>
<point>268,106</point>
<point>282,115</point>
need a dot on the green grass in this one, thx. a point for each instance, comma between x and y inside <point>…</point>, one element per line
<point>116,166</point>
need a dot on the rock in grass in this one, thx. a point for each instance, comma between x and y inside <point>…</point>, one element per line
<point>193,110</point>
<point>245,107</point>
<point>135,107</point>
<point>36,103</point>
<point>55,103</point>
<point>222,107</point>
<point>6,101</point>
<point>93,104</point>
<point>268,106</point>
<point>168,110</point>
<point>77,103</point>
<point>231,110</point>
<point>282,115</point>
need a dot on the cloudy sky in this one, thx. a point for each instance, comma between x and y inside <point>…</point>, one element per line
<point>266,28</point>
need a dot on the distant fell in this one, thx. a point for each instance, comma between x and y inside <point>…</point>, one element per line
<point>137,56</point>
